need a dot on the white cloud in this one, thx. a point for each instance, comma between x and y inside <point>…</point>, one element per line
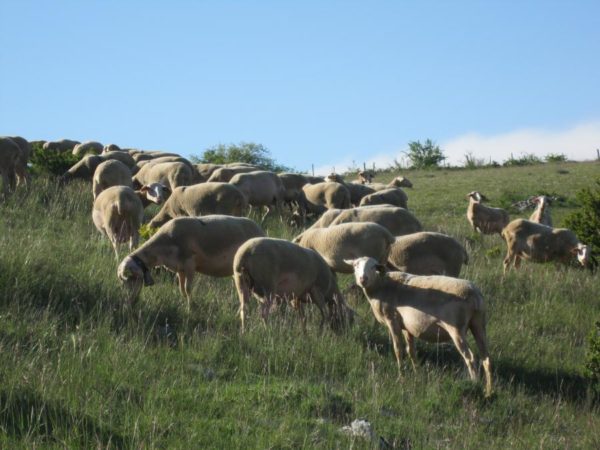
<point>577,143</point>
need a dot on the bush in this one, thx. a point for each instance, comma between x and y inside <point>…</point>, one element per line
<point>246,152</point>
<point>50,162</point>
<point>423,156</point>
<point>592,358</point>
<point>526,159</point>
<point>585,222</point>
<point>555,157</point>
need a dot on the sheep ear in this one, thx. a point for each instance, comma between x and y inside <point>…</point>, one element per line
<point>350,262</point>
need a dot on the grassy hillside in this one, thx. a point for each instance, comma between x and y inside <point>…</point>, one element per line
<point>79,370</point>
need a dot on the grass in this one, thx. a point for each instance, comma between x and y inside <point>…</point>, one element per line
<point>80,370</point>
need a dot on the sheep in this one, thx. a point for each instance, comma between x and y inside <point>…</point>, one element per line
<point>9,159</point>
<point>261,188</point>
<point>314,179</point>
<point>85,168</point>
<point>88,148</point>
<point>347,241</point>
<point>118,213</point>
<point>205,170</point>
<point>398,221</point>
<point>292,182</point>
<point>397,182</point>
<point>112,148</point>
<point>170,174</point>
<point>326,195</point>
<point>434,308</point>
<point>364,177</point>
<point>541,243</point>
<point>187,245</point>
<point>484,219</point>
<point>156,193</point>
<point>142,155</point>
<point>392,196</point>
<point>200,200</point>
<point>61,146</point>
<point>196,178</point>
<point>542,210</point>
<point>276,269</point>
<point>110,173</point>
<point>427,253</point>
<point>357,190</point>
<point>225,174</point>
<point>21,164</point>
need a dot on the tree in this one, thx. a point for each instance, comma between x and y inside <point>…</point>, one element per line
<point>585,221</point>
<point>423,156</point>
<point>247,152</point>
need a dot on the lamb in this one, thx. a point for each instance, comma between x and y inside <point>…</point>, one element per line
<point>170,174</point>
<point>118,213</point>
<point>485,219</point>
<point>347,241</point>
<point>225,174</point>
<point>9,157</point>
<point>433,308</point>
<point>261,188</point>
<point>542,210</point>
<point>187,245</point>
<point>61,146</point>
<point>427,253</point>
<point>201,199</point>
<point>21,164</point>
<point>276,269</point>
<point>326,195</point>
<point>110,173</point>
<point>540,243</point>
<point>88,148</point>
<point>392,196</point>
<point>398,221</point>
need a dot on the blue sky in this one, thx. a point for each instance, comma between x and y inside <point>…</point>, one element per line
<point>323,82</point>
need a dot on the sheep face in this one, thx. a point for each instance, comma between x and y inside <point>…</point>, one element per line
<point>133,277</point>
<point>366,270</point>
<point>476,196</point>
<point>583,253</point>
<point>156,192</point>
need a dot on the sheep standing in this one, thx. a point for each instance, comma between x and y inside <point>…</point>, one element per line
<point>169,174</point>
<point>432,308</point>
<point>9,157</point>
<point>88,148</point>
<point>542,211</point>
<point>326,195</point>
<point>485,219</point>
<point>225,174</point>
<point>427,253</point>
<point>21,165</point>
<point>262,189</point>
<point>357,190</point>
<point>398,221</point>
<point>396,182</point>
<point>110,173</point>
<point>391,196</point>
<point>200,200</point>
<point>347,241</point>
<point>540,243</point>
<point>276,269</point>
<point>118,213</point>
<point>187,245</point>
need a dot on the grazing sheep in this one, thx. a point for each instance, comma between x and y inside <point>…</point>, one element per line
<point>9,159</point>
<point>187,245</point>
<point>540,243</point>
<point>205,170</point>
<point>225,174</point>
<point>433,308</point>
<point>365,176</point>
<point>326,195</point>
<point>21,164</point>
<point>169,174</point>
<point>261,188</point>
<point>85,168</point>
<point>200,200</point>
<point>292,183</point>
<point>164,159</point>
<point>110,173</point>
<point>142,155</point>
<point>156,193</point>
<point>396,182</point>
<point>63,145</point>
<point>485,219</point>
<point>118,213</point>
<point>392,196</point>
<point>88,148</point>
<point>398,221</point>
<point>276,269</point>
<point>337,243</point>
<point>112,148</point>
<point>357,190</point>
<point>542,211</point>
<point>428,253</point>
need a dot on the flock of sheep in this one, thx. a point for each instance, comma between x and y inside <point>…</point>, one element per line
<point>363,228</point>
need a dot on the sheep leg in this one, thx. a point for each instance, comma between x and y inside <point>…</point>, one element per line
<point>508,260</point>
<point>243,295</point>
<point>319,300</point>
<point>410,348</point>
<point>266,307</point>
<point>395,331</point>
<point>477,327</point>
<point>460,342</point>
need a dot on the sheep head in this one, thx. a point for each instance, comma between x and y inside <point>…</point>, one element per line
<point>156,192</point>
<point>583,253</point>
<point>366,270</point>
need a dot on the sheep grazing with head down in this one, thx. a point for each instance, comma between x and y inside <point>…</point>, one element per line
<point>347,241</point>
<point>110,173</point>
<point>9,159</point>
<point>432,308</point>
<point>540,243</point>
<point>21,168</point>
<point>542,210</point>
<point>275,270</point>
<point>391,196</point>
<point>398,221</point>
<point>485,219</point>
<point>427,253</point>
<point>187,245</point>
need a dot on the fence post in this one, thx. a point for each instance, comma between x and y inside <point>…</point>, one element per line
<point>313,169</point>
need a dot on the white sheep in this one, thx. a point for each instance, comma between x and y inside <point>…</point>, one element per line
<point>201,200</point>
<point>357,190</point>
<point>485,219</point>
<point>169,174</point>
<point>118,214</point>
<point>187,245</point>
<point>391,196</point>
<point>427,253</point>
<point>110,173</point>
<point>337,243</point>
<point>21,169</point>
<point>398,221</point>
<point>225,174</point>
<point>275,270</point>
<point>326,195</point>
<point>540,243</point>
<point>88,148</point>
<point>433,308</point>
<point>542,210</point>
<point>261,188</point>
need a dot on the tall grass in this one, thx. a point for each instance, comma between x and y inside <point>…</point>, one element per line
<point>79,369</point>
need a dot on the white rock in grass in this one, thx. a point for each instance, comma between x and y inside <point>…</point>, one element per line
<point>360,428</point>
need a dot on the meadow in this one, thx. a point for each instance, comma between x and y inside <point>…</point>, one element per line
<point>79,369</point>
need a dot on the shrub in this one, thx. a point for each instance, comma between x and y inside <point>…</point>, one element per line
<point>555,157</point>
<point>526,159</point>
<point>50,162</point>
<point>592,358</point>
<point>246,152</point>
<point>585,222</point>
<point>423,156</point>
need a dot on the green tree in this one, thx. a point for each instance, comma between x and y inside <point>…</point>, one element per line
<point>246,152</point>
<point>585,222</point>
<point>426,155</point>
